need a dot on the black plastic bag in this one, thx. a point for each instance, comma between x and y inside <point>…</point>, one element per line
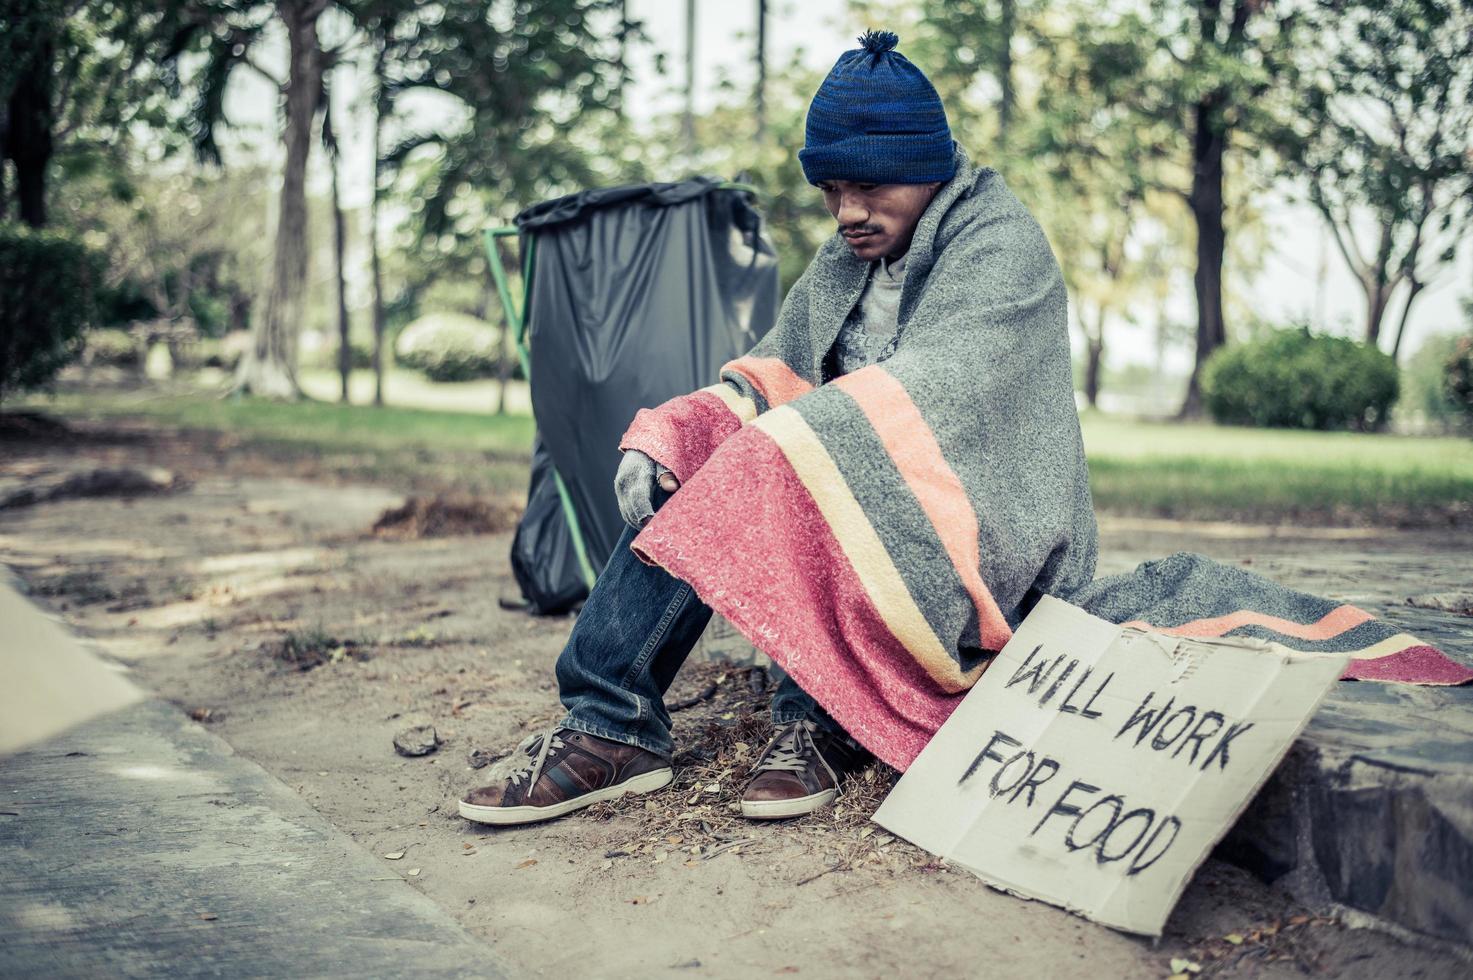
<point>543,559</point>
<point>638,294</point>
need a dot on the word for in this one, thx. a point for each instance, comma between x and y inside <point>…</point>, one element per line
<point>1105,826</point>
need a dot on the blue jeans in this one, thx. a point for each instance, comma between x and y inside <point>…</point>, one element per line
<point>636,629</point>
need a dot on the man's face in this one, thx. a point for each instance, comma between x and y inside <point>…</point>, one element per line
<point>876,219</point>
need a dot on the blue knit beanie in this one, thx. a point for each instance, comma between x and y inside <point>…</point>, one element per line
<point>876,118</point>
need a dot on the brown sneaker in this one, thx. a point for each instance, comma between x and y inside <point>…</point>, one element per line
<point>799,771</point>
<point>565,771</point>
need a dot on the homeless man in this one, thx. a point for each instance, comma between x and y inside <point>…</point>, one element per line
<point>895,472</point>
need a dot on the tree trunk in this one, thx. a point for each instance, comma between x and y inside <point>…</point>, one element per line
<point>623,58</point>
<point>1007,26</point>
<point>1378,298</point>
<point>4,157</point>
<point>28,134</point>
<point>345,345</point>
<point>4,195</point>
<point>688,119</point>
<point>1209,142</point>
<point>373,256</point>
<point>1406,311</point>
<point>1094,351</point>
<point>504,369</point>
<point>269,366</point>
<point>761,71</point>
<point>508,353</point>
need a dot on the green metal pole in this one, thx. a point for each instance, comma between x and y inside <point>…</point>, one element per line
<point>516,319</point>
<point>731,185</point>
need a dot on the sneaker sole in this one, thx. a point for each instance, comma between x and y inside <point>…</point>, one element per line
<point>501,816</point>
<point>780,809</point>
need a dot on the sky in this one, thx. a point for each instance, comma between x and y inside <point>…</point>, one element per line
<point>1303,276</point>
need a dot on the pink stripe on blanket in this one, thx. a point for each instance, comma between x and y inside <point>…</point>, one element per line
<point>917,455</point>
<point>1420,664</point>
<point>746,534</point>
<point>683,432</point>
<point>1332,624</point>
<point>777,382</point>
<point>1414,663</point>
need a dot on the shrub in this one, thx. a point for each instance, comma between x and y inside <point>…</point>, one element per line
<point>113,348</point>
<point>1293,379</point>
<point>1458,377</point>
<point>450,347</point>
<point>1425,396</point>
<point>48,298</point>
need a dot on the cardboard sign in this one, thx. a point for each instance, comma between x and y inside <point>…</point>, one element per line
<point>48,682</point>
<point>1094,766</point>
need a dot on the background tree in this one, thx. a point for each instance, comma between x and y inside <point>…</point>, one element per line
<point>331,147</point>
<point>1385,141</point>
<point>539,88</point>
<point>235,26</point>
<point>381,23</point>
<point>962,41</point>
<point>1197,79</point>
<point>1094,191</point>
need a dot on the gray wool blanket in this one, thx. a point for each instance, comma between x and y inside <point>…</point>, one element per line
<point>881,535</point>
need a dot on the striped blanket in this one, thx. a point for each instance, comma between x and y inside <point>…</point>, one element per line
<point>881,534</point>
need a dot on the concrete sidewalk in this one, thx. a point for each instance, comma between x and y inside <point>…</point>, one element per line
<point>139,844</point>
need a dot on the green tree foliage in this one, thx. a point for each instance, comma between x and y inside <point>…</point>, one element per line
<point>1293,379</point>
<point>964,42</point>
<point>48,288</point>
<point>538,87</point>
<point>1384,141</point>
<point>182,246</point>
<point>78,81</point>
<point>793,209</point>
<point>526,76</point>
<point>1097,195</point>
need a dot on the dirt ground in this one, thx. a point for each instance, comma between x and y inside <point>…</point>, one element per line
<point>262,603</point>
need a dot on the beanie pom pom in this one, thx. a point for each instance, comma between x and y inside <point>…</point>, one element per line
<point>878,42</point>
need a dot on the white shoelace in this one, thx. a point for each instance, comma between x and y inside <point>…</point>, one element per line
<point>531,767</point>
<point>789,750</point>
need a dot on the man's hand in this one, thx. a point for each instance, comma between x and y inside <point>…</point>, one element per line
<point>634,485</point>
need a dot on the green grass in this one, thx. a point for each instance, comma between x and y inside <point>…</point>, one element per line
<point>1165,469</point>
<point>417,448</point>
<point>410,389</point>
<point>1207,471</point>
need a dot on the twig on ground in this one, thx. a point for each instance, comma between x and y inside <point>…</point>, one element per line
<point>838,866</point>
<point>704,694</point>
<point>726,847</point>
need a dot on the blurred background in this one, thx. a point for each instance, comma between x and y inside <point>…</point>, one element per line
<point>265,217</point>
